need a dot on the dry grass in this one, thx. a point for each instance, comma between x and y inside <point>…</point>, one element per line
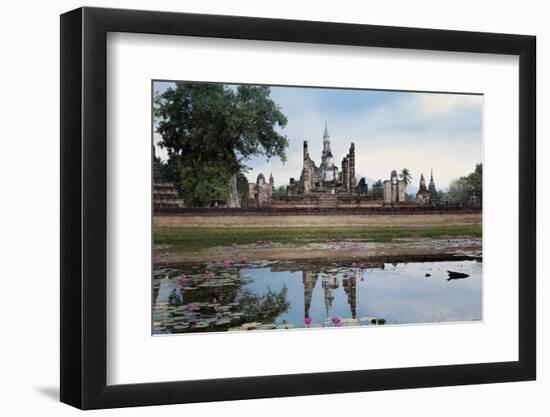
<point>294,221</point>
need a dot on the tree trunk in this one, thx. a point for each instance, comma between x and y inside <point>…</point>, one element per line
<point>233,194</point>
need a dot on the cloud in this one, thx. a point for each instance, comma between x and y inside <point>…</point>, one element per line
<point>419,131</point>
<point>447,103</point>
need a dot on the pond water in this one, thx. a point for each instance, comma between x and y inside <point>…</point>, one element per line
<point>280,295</point>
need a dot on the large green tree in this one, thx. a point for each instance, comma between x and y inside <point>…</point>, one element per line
<point>210,131</point>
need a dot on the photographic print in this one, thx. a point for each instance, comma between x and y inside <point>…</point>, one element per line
<point>283,207</point>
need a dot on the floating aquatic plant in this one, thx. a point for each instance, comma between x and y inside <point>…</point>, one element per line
<point>181,280</point>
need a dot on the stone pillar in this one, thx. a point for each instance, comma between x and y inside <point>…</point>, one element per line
<point>307,170</point>
<point>309,279</point>
<point>348,174</point>
<point>401,196</point>
<point>345,176</point>
<point>350,287</point>
<point>387,191</point>
<point>352,168</point>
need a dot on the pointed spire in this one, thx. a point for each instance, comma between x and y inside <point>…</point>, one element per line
<point>431,187</point>
<point>326,135</point>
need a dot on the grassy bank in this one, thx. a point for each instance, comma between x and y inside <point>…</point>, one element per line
<point>191,238</point>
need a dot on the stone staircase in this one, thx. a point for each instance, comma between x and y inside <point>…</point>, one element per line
<point>327,200</point>
<point>322,201</point>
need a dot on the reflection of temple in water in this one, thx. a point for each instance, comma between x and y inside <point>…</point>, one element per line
<point>350,286</point>
<point>309,279</point>
<point>329,283</point>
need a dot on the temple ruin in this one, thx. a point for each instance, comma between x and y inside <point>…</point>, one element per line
<point>325,178</point>
<point>394,189</point>
<point>320,186</point>
<point>165,195</point>
<point>427,195</point>
<point>260,193</point>
<point>326,186</point>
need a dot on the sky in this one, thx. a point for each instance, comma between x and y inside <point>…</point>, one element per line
<point>390,129</point>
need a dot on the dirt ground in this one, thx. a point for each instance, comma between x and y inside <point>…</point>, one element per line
<point>370,220</point>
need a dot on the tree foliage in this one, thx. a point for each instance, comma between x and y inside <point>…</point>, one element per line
<point>406,176</point>
<point>211,130</point>
<point>280,191</point>
<point>467,190</point>
<point>410,197</point>
<point>378,189</point>
<point>263,308</point>
<point>201,185</point>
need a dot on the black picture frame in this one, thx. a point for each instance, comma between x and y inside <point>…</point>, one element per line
<point>84,207</point>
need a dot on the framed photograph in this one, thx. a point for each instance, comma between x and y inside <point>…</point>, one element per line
<point>256,208</point>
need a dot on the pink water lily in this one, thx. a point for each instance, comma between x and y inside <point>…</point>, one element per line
<point>244,261</point>
<point>193,306</point>
<point>308,321</point>
<point>227,263</point>
<point>336,320</point>
<point>353,265</point>
<point>181,280</point>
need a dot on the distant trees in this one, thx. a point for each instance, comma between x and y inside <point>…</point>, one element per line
<point>378,189</point>
<point>467,190</point>
<point>280,191</point>
<point>210,131</point>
